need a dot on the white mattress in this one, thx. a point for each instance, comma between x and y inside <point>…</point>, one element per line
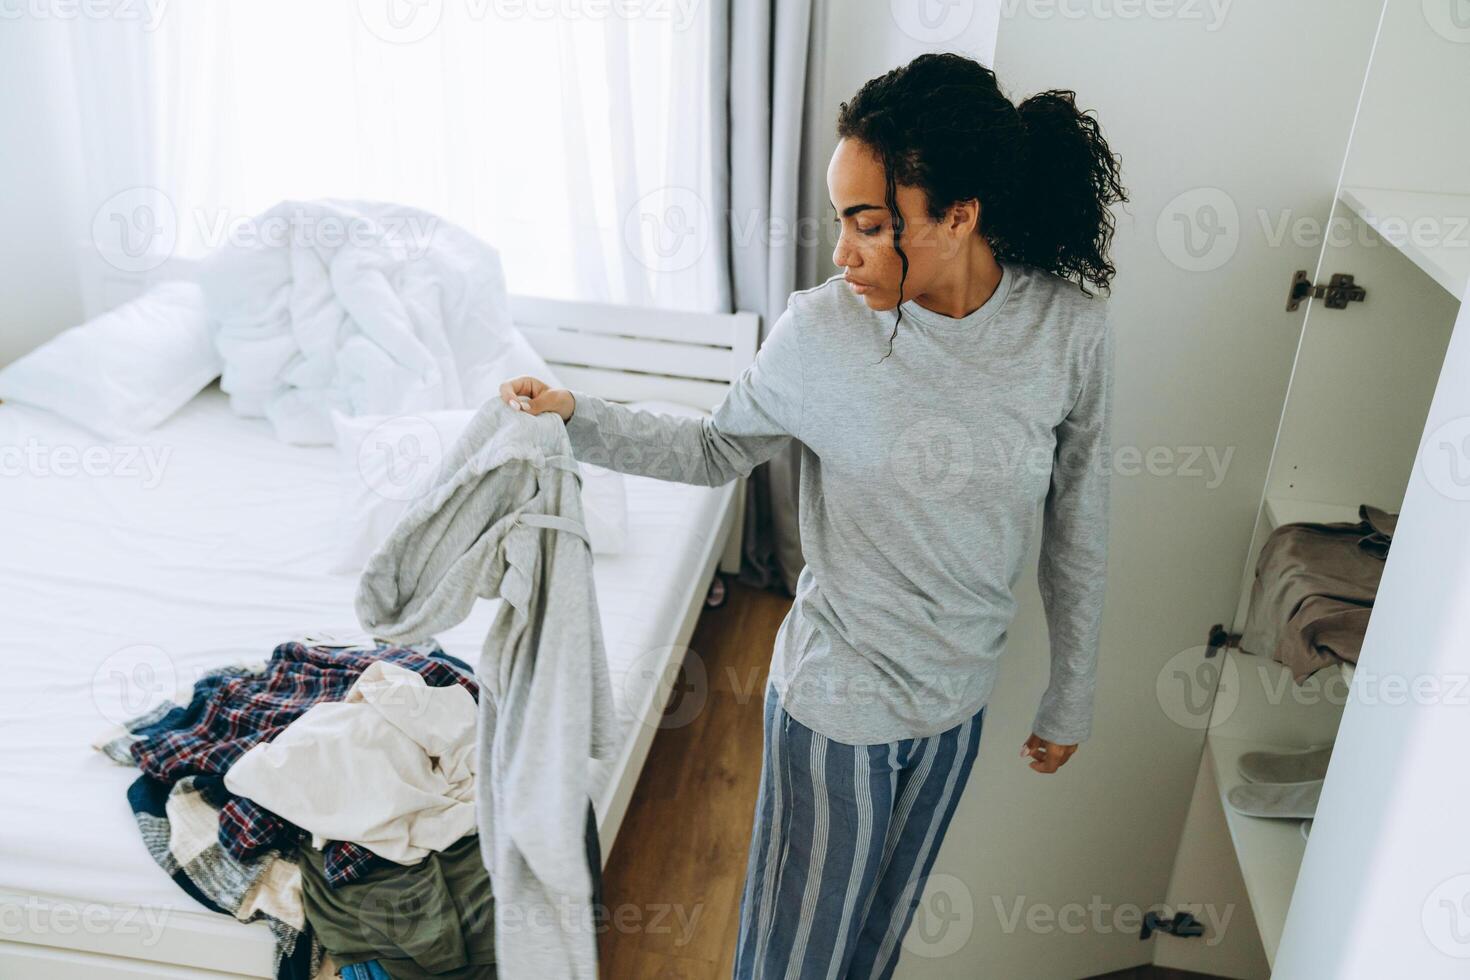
<point>104,577</point>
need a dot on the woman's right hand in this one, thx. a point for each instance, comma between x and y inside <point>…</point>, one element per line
<point>534,396</point>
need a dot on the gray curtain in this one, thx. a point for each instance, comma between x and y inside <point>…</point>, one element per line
<point>769,59</point>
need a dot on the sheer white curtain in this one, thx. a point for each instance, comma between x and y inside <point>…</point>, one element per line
<point>574,136</point>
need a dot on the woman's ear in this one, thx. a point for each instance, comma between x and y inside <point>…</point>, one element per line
<point>959,223</point>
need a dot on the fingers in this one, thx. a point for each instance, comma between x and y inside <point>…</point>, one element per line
<point>1047,756</point>
<point>535,397</point>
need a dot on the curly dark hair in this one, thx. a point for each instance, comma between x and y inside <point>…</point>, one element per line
<point>1041,170</point>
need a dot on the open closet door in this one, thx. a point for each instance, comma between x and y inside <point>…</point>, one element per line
<point>1379,412</point>
<point>1325,619</point>
<point>1232,121</point>
<point>1384,889</point>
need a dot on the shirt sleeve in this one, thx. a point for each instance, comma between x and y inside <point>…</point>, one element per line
<point>759,414</point>
<point>1072,569</point>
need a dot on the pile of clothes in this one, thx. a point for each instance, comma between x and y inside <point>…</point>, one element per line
<point>354,797</point>
<point>330,792</point>
<point>1314,589</point>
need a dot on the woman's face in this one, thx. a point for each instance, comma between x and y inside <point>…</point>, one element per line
<point>865,240</point>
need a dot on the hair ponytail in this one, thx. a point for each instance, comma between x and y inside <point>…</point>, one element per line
<point>1042,172</point>
<point>1057,213</point>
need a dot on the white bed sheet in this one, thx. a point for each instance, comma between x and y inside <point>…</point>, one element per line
<point>124,583</point>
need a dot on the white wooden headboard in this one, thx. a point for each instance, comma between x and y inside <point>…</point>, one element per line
<point>622,353</point>
<point>626,353</point>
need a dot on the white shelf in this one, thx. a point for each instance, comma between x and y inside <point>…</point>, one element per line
<point>1285,510</point>
<point>1440,242</point>
<point>1269,851</point>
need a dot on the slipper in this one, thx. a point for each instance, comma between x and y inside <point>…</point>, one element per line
<point>1305,766</point>
<point>1296,801</point>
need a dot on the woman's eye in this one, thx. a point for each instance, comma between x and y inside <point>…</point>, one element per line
<point>870,232</point>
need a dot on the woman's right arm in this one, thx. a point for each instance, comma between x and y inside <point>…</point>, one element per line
<point>761,411</point>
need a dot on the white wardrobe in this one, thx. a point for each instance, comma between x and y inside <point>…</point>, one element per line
<point>1357,427</point>
<point>1259,139</point>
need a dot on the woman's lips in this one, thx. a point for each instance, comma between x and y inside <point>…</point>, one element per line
<point>861,288</point>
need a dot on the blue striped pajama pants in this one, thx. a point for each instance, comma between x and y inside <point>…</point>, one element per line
<point>845,837</point>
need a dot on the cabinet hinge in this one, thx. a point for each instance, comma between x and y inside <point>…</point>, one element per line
<point>1219,639</point>
<point>1182,924</point>
<point>1338,291</point>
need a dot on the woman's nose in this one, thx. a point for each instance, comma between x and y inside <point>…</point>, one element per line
<point>842,255</point>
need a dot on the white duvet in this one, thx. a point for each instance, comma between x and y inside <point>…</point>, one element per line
<point>356,306</point>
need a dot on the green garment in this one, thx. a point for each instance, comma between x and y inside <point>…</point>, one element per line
<point>434,919</point>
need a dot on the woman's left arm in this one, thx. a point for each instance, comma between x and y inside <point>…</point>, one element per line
<point>1074,547</point>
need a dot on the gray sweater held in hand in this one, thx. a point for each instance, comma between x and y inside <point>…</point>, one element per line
<point>504,521</point>
<point>923,475</point>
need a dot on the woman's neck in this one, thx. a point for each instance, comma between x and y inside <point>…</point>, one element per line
<point>973,280</point>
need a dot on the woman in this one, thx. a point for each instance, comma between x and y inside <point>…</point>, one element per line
<point>952,381</point>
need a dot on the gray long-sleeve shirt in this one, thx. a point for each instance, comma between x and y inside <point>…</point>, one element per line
<point>922,479</point>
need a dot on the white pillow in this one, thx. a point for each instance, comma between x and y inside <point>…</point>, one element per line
<point>388,463</point>
<point>126,371</point>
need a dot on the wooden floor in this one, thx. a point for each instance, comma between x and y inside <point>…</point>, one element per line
<point>675,874</point>
<point>672,885</point>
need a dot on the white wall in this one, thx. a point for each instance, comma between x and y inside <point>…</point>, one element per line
<point>40,181</point>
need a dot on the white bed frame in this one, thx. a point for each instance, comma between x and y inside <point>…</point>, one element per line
<point>617,352</point>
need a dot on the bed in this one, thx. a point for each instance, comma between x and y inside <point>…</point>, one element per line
<point>207,543</point>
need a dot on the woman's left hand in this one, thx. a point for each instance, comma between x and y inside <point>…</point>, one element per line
<point>1048,756</point>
